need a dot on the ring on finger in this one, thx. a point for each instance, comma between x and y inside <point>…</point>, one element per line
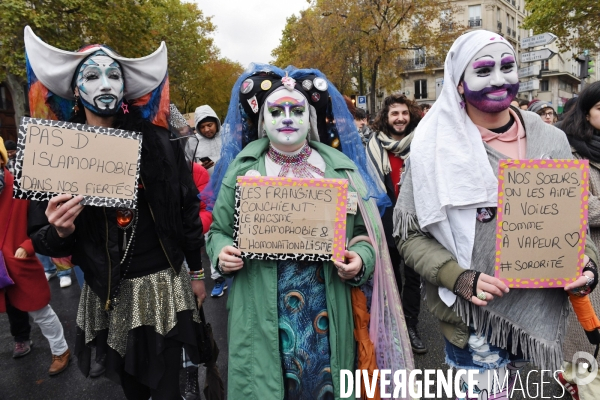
<point>482,296</point>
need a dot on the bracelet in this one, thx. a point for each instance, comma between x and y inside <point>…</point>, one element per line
<point>197,275</point>
<point>591,266</point>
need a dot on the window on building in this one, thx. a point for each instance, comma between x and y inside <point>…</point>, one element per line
<point>420,89</point>
<point>420,59</point>
<point>544,85</point>
<point>445,20</point>
<point>566,86</point>
<point>545,65</point>
<point>416,20</point>
<point>475,15</point>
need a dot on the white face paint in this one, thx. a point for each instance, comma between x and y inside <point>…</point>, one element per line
<point>286,119</point>
<point>491,80</point>
<point>100,83</point>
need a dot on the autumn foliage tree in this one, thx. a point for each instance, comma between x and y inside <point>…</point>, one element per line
<point>575,22</point>
<point>363,41</point>
<point>132,27</point>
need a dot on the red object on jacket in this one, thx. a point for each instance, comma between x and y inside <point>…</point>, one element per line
<point>396,163</point>
<point>201,179</point>
<point>30,291</point>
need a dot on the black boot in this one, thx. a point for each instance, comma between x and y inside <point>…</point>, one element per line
<point>98,367</point>
<point>192,392</point>
<point>415,341</point>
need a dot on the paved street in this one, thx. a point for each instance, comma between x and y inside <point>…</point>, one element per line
<point>27,378</point>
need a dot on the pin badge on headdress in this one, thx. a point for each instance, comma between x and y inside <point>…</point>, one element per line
<point>247,86</point>
<point>266,84</point>
<point>307,84</point>
<point>288,82</point>
<point>315,97</point>
<point>320,84</point>
<point>253,104</point>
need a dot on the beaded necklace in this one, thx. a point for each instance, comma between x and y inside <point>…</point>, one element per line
<point>127,253</point>
<point>296,164</point>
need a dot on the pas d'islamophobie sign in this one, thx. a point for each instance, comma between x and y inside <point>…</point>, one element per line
<point>278,218</point>
<point>55,157</point>
<point>542,222</point>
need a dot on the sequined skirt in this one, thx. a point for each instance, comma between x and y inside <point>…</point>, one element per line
<point>149,313</point>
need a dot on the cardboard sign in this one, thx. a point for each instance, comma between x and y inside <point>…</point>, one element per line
<point>291,218</point>
<point>55,157</point>
<point>542,222</point>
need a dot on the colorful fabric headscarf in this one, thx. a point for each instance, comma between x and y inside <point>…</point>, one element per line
<point>240,126</point>
<point>50,73</point>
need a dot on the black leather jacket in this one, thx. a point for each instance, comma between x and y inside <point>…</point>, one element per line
<point>94,244</point>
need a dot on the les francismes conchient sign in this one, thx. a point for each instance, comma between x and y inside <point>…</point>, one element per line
<point>280,218</point>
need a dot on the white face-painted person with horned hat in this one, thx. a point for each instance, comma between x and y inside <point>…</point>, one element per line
<point>137,306</point>
<point>445,218</point>
<point>290,321</point>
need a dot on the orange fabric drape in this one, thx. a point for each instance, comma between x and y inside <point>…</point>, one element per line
<point>365,348</point>
<point>585,312</point>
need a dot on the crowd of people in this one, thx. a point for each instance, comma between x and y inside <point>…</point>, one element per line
<point>424,178</point>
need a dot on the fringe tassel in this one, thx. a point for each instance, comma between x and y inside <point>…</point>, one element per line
<point>403,221</point>
<point>544,354</point>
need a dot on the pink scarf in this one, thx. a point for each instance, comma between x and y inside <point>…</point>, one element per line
<point>511,143</point>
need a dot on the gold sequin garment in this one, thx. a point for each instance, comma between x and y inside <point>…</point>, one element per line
<point>152,300</point>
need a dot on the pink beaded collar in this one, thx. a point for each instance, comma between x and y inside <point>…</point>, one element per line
<point>296,164</point>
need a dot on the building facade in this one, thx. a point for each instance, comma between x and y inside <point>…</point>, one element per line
<point>422,77</point>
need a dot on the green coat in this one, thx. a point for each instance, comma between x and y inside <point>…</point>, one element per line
<point>254,359</point>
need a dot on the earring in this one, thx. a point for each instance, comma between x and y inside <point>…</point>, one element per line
<point>265,132</point>
<point>76,106</point>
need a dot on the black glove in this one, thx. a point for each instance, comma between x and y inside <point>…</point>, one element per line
<point>466,284</point>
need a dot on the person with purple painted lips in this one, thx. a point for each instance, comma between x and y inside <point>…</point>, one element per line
<point>445,220</point>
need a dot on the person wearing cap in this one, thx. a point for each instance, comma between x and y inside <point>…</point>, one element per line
<point>138,306</point>
<point>545,111</point>
<point>28,294</point>
<point>445,219</point>
<point>290,321</point>
<point>205,147</point>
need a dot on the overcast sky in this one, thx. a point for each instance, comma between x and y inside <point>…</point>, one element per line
<point>248,30</point>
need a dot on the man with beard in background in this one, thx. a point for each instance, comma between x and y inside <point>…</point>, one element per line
<point>387,151</point>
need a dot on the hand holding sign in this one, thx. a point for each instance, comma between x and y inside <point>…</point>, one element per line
<point>582,280</point>
<point>351,268</point>
<point>62,211</point>
<point>491,286</point>
<point>229,259</point>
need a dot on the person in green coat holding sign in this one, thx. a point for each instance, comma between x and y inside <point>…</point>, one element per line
<point>291,328</point>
